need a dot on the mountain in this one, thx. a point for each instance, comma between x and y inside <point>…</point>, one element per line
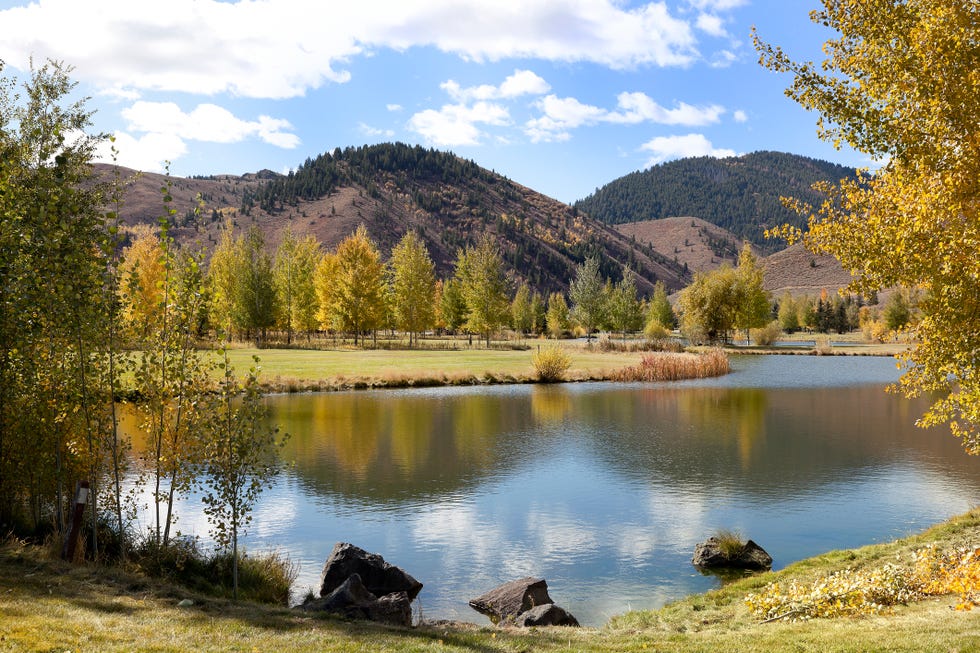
<point>800,272</point>
<point>394,188</point>
<point>740,194</point>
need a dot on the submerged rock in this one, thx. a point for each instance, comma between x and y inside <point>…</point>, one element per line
<point>523,602</point>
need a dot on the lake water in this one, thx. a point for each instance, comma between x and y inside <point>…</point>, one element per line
<point>604,489</point>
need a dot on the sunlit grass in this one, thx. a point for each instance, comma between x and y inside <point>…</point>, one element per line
<point>48,605</point>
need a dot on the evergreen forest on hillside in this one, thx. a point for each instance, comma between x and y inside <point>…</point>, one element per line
<point>741,194</point>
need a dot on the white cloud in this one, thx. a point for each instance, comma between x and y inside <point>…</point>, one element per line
<point>149,152</point>
<point>717,5</point>
<point>665,148</point>
<point>522,82</point>
<point>276,49</point>
<point>375,132</point>
<point>207,122</point>
<point>740,116</point>
<point>393,107</point>
<point>711,24</point>
<point>639,107</point>
<point>457,124</point>
<point>561,115</point>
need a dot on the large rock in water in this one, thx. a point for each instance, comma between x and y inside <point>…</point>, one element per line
<point>379,577</point>
<point>710,555</point>
<point>523,602</point>
<point>506,602</point>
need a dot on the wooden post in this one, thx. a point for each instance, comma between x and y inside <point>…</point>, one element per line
<point>78,512</point>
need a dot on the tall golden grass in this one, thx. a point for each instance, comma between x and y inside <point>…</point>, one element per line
<point>665,366</point>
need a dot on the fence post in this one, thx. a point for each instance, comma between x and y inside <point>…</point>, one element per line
<point>71,540</point>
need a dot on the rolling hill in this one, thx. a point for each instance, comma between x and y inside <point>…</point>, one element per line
<point>394,188</point>
<point>740,194</point>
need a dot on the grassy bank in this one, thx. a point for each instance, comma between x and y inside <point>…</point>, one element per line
<point>292,370</point>
<point>48,606</point>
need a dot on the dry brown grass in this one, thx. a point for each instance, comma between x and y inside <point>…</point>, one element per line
<point>666,366</point>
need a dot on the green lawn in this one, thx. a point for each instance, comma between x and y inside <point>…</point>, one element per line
<point>346,366</point>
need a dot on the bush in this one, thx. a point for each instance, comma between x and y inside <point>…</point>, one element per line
<point>264,578</point>
<point>768,334</point>
<point>655,331</point>
<point>730,542</point>
<point>551,363</point>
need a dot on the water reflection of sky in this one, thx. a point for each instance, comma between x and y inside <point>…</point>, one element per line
<point>604,489</point>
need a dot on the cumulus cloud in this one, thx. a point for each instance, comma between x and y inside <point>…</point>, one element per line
<point>665,148</point>
<point>561,115</point>
<point>740,116</point>
<point>165,128</point>
<point>273,49</point>
<point>207,122</point>
<point>711,24</point>
<point>717,5</point>
<point>457,124</point>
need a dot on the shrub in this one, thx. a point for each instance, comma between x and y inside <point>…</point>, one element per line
<point>655,331</point>
<point>768,334</point>
<point>551,363</point>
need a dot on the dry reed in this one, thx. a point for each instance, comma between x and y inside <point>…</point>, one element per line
<point>675,367</point>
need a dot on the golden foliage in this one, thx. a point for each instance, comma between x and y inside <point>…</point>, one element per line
<point>901,83</point>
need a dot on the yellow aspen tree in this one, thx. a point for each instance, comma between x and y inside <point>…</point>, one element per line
<point>901,83</point>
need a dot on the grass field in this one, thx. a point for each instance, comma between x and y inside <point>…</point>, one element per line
<point>47,605</point>
<point>299,369</point>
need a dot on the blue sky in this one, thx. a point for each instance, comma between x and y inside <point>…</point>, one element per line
<point>562,96</point>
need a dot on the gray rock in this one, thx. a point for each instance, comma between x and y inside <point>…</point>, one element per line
<point>379,577</point>
<point>709,555</point>
<point>352,600</point>
<point>548,614</point>
<point>508,601</point>
<point>394,608</point>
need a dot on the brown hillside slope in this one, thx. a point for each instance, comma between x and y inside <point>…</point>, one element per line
<point>541,240</point>
<point>693,242</point>
<point>800,272</point>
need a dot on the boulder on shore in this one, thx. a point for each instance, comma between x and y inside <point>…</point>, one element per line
<point>548,614</point>
<point>523,602</point>
<point>379,577</point>
<point>711,555</point>
<point>352,600</point>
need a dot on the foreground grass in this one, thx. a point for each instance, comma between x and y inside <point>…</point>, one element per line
<point>48,606</point>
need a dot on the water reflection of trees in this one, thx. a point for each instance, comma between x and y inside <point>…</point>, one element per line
<point>395,447</point>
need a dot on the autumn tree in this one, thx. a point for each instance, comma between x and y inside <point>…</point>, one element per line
<point>452,305</point>
<point>659,310</point>
<point>54,256</point>
<point>325,282</point>
<point>709,305</point>
<point>623,307</point>
<point>358,303</point>
<point>413,286</point>
<point>521,310</point>
<point>484,287</point>
<point>293,274</point>
<point>558,318</point>
<point>588,297</point>
<point>899,83</point>
<point>754,308</point>
<point>141,287</point>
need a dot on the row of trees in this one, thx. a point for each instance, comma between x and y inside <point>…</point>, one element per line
<point>68,304</point>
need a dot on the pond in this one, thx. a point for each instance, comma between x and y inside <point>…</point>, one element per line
<point>604,489</point>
